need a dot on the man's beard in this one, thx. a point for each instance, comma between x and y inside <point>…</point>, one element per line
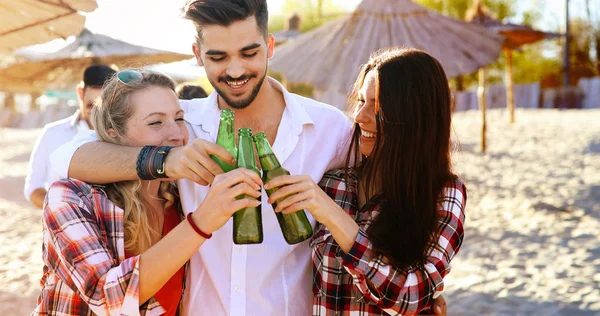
<point>244,103</point>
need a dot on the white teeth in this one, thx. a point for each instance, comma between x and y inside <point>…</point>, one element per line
<point>367,134</point>
<point>237,84</point>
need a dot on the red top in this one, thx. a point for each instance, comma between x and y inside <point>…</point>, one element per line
<point>170,294</point>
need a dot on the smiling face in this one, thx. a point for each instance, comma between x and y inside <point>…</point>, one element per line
<point>235,60</point>
<point>157,119</point>
<point>364,114</point>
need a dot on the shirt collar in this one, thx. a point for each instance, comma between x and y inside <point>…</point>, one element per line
<point>208,117</point>
<point>77,123</point>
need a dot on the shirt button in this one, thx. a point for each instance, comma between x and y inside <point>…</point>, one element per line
<point>237,288</point>
<point>239,248</point>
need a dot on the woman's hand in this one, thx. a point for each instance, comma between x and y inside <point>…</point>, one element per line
<point>220,203</point>
<point>300,192</point>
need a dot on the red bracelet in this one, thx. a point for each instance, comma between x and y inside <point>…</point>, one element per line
<point>196,228</point>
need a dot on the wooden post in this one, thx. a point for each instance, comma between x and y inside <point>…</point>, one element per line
<point>10,104</point>
<point>34,106</point>
<point>510,97</point>
<point>482,107</point>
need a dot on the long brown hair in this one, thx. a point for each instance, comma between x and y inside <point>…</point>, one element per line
<point>410,161</point>
<point>112,111</point>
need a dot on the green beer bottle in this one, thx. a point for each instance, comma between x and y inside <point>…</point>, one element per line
<point>247,222</point>
<point>294,226</point>
<point>226,138</point>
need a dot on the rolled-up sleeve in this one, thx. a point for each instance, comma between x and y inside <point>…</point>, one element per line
<point>60,159</point>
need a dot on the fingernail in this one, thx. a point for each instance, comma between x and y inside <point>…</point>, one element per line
<point>438,309</point>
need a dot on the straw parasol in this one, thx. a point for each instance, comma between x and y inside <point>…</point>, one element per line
<point>64,67</point>
<point>29,22</point>
<point>330,56</point>
<point>516,36</point>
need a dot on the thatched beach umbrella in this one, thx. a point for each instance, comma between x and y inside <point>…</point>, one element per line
<point>64,67</point>
<point>29,22</point>
<point>330,56</point>
<point>516,36</point>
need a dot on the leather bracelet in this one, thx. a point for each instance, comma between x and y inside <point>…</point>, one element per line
<point>196,228</point>
<point>158,161</point>
<point>150,163</point>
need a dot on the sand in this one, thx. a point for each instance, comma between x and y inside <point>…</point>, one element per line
<point>532,243</point>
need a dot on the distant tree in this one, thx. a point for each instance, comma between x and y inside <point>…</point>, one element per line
<point>314,13</point>
<point>593,16</point>
<point>458,8</point>
<point>582,64</point>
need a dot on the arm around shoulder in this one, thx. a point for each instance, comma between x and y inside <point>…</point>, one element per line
<point>87,159</point>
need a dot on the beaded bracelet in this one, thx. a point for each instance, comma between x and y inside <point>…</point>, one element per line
<point>196,228</point>
<point>150,163</point>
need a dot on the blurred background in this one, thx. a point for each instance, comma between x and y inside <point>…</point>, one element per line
<point>526,81</point>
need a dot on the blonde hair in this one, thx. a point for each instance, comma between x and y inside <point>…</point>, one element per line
<point>112,111</point>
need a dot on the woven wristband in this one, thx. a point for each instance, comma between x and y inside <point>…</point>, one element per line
<point>142,163</point>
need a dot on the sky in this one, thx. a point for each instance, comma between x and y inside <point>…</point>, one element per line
<point>158,24</point>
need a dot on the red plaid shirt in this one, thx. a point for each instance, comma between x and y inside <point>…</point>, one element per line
<point>340,279</point>
<point>85,270</point>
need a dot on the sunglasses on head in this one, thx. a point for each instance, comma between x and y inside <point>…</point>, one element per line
<point>127,77</point>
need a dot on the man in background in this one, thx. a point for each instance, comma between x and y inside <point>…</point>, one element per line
<point>188,91</point>
<point>54,134</point>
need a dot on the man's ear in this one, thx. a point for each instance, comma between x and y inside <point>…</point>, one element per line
<point>196,50</point>
<point>80,92</point>
<point>270,45</point>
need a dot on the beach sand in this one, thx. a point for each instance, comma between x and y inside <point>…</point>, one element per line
<point>532,244</point>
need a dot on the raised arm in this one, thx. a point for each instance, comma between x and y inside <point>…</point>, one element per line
<point>100,162</point>
<point>87,159</point>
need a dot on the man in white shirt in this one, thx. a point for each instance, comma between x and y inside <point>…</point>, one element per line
<point>308,137</point>
<point>57,133</point>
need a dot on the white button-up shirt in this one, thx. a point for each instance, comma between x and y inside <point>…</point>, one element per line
<point>55,134</point>
<point>271,278</point>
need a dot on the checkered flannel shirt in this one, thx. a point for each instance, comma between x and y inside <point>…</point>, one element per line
<point>85,270</point>
<point>341,279</point>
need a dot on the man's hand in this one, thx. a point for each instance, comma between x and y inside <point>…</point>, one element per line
<point>37,197</point>
<point>193,161</point>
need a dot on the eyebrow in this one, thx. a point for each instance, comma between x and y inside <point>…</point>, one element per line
<point>245,48</point>
<point>161,114</point>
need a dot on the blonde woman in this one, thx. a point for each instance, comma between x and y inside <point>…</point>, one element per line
<point>122,248</point>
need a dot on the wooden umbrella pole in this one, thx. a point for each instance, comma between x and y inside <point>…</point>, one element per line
<point>482,106</point>
<point>10,104</point>
<point>510,98</point>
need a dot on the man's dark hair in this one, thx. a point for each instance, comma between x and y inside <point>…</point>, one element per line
<point>186,91</point>
<point>96,75</point>
<point>225,12</point>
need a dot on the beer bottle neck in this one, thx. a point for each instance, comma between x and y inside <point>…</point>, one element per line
<point>246,152</point>
<point>226,135</point>
<point>267,158</point>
